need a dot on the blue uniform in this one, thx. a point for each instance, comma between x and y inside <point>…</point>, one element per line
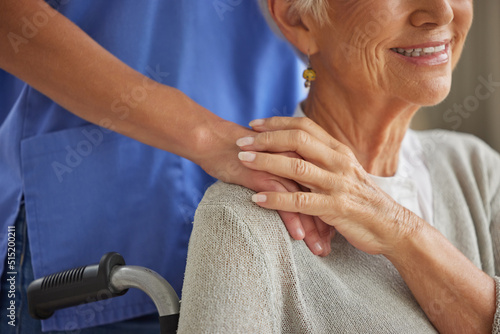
<point>88,190</point>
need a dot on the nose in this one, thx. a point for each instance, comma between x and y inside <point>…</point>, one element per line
<point>432,13</point>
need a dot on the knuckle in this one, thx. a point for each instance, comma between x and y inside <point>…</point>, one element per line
<point>330,182</point>
<point>351,165</point>
<point>350,154</point>
<point>347,151</point>
<point>342,148</point>
<point>300,137</point>
<point>299,167</point>
<point>342,204</point>
<point>307,123</point>
<point>301,200</point>
<point>265,138</point>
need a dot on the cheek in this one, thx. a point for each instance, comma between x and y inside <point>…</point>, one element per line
<point>357,42</point>
<point>463,20</point>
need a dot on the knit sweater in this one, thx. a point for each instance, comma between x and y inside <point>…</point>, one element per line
<point>245,274</point>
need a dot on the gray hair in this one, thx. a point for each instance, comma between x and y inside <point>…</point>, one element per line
<point>316,8</point>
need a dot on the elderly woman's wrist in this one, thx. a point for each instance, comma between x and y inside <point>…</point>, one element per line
<point>409,232</point>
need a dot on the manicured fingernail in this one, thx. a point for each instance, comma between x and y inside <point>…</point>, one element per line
<point>245,141</point>
<point>318,248</point>
<point>246,156</point>
<point>300,233</point>
<point>259,198</point>
<point>256,122</point>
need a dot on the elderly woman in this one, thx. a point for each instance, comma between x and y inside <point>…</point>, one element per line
<point>416,214</point>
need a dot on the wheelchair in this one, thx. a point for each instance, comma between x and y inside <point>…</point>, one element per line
<point>110,278</point>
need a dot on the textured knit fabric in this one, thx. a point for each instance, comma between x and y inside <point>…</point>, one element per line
<point>246,275</point>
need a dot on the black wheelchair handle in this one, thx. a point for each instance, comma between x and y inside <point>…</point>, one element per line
<point>110,278</point>
<point>73,287</point>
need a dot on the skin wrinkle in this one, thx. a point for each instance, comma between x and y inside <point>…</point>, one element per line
<point>371,76</point>
<point>354,132</point>
<point>368,108</point>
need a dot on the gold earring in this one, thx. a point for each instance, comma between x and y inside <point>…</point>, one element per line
<point>309,74</point>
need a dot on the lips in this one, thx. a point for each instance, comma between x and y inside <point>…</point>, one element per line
<point>420,52</point>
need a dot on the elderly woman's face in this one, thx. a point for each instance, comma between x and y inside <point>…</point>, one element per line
<point>404,49</point>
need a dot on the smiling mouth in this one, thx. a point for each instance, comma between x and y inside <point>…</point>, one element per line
<point>420,52</point>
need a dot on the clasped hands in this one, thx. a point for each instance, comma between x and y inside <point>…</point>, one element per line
<point>336,193</point>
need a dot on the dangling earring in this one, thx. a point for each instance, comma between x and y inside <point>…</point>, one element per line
<point>309,74</point>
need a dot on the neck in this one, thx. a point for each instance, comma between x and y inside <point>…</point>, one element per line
<point>373,129</point>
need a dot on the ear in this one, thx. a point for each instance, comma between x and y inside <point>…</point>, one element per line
<point>298,29</point>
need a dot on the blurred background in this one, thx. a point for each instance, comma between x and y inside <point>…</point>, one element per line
<point>473,105</point>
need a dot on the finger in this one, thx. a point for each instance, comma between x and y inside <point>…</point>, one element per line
<point>293,224</point>
<point>262,181</point>
<point>290,155</point>
<point>301,171</point>
<point>299,141</point>
<point>312,238</point>
<point>291,219</point>
<point>299,123</point>
<point>305,203</point>
<point>324,232</point>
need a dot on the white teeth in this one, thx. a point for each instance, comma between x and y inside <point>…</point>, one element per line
<point>420,51</point>
<point>439,48</point>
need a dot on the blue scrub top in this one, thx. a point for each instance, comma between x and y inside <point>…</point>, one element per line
<point>88,190</point>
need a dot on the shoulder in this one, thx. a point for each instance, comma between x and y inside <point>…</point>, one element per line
<point>231,206</point>
<point>446,140</point>
<point>221,193</point>
<point>463,159</point>
<point>231,197</point>
<point>442,146</point>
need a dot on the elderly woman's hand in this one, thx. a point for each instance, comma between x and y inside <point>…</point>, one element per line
<point>344,196</point>
<point>219,160</point>
<point>341,193</point>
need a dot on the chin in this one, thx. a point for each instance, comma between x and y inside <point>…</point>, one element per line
<point>430,94</point>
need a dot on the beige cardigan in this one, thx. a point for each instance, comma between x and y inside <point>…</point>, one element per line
<point>246,275</point>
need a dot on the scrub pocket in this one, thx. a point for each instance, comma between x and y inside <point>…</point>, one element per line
<point>89,191</point>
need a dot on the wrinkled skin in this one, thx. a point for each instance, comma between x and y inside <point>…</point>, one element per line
<point>359,109</point>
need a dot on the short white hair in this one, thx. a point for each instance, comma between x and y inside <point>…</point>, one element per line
<point>318,9</point>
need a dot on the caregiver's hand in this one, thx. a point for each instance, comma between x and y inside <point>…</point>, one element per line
<point>342,193</point>
<point>220,160</point>
<point>60,62</point>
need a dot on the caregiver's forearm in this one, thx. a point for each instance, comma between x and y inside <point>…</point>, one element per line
<point>64,63</point>
<point>456,296</point>
<point>68,66</point>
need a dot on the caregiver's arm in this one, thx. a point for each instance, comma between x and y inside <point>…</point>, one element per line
<point>344,196</point>
<point>68,66</point>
